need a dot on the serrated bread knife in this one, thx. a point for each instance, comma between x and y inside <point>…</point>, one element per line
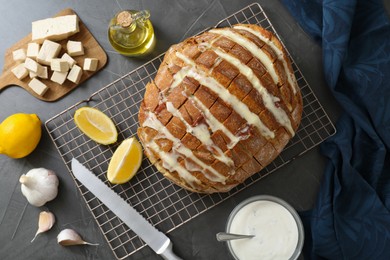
<point>158,241</point>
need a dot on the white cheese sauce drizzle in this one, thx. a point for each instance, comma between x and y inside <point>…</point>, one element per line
<point>202,133</point>
<point>269,100</point>
<point>252,48</point>
<point>238,106</point>
<point>170,163</point>
<point>153,122</point>
<point>211,121</point>
<point>281,57</point>
<point>214,123</point>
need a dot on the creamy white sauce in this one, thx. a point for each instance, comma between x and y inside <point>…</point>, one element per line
<point>170,163</point>
<point>275,230</point>
<point>279,53</point>
<point>214,123</point>
<point>179,77</point>
<point>252,48</point>
<point>226,96</point>
<point>201,132</point>
<point>269,100</point>
<point>212,174</point>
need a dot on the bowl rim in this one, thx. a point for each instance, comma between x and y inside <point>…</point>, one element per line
<point>293,212</point>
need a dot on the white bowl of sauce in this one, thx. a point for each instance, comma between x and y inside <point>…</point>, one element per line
<point>276,225</point>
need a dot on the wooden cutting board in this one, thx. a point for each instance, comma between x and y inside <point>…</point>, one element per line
<point>92,49</point>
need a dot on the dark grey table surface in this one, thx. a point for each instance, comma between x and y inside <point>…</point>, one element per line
<point>297,183</point>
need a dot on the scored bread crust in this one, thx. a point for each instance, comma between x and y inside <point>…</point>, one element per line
<point>222,106</point>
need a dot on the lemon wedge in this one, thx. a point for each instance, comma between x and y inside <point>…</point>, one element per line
<point>125,161</point>
<point>96,125</point>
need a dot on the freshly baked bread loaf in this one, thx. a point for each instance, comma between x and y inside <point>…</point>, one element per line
<point>222,106</point>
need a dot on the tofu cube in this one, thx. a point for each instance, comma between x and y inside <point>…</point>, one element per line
<point>35,69</point>
<point>33,50</point>
<point>75,74</point>
<point>74,48</point>
<point>48,51</point>
<point>42,72</point>
<point>90,64</point>
<point>69,59</point>
<point>20,71</point>
<point>38,87</point>
<point>19,55</point>
<point>59,77</point>
<point>32,74</point>
<point>57,28</point>
<point>59,65</point>
<point>31,65</point>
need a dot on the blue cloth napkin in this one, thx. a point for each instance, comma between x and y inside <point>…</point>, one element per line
<point>351,218</point>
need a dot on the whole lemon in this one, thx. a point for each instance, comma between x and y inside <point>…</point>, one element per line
<point>20,134</point>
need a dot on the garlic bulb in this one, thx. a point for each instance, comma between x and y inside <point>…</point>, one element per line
<point>39,186</point>
<point>69,237</point>
<point>45,222</point>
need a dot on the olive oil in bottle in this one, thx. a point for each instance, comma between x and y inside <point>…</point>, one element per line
<point>131,33</point>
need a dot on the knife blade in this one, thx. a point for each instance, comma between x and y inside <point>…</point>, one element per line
<point>154,238</point>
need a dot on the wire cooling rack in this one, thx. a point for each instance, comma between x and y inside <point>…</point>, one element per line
<point>162,203</point>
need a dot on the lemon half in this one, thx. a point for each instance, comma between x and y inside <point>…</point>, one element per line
<point>96,125</point>
<point>125,161</point>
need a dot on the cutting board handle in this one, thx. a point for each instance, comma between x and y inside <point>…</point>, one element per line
<point>6,80</point>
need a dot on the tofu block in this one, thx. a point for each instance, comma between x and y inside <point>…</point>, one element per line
<point>69,59</point>
<point>48,51</point>
<point>32,65</point>
<point>74,48</point>
<point>35,69</point>
<point>19,55</point>
<point>43,72</point>
<point>59,65</point>
<point>75,74</point>
<point>33,50</point>
<point>38,87</point>
<point>32,74</point>
<point>20,71</point>
<point>90,64</point>
<point>59,77</point>
<point>56,29</point>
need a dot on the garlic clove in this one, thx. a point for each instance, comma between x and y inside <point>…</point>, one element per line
<point>69,237</point>
<point>45,223</point>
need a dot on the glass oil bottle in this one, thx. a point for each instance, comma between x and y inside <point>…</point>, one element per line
<point>131,33</point>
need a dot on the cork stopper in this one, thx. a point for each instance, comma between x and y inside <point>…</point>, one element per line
<point>124,19</point>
